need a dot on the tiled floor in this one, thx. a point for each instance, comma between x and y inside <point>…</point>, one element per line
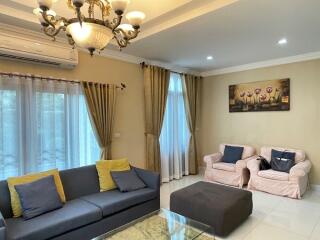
<point>273,218</point>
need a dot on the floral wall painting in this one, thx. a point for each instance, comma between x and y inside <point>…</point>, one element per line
<point>272,95</point>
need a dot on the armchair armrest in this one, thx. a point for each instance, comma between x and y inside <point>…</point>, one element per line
<point>151,179</point>
<point>2,227</point>
<point>242,164</point>
<point>254,165</point>
<point>300,169</point>
<point>213,158</point>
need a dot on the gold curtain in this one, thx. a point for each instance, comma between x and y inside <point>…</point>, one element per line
<point>190,85</point>
<point>156,83</point>
<point>101,103</point>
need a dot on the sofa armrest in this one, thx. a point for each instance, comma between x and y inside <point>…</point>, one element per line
<point>212,158</point>
<point>254,166</point>
<point>300,169</point>
<point>243,164</point>
<point>2,227</point>
<point>151,179</point>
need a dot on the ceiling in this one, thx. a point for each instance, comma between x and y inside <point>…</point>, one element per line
<point>185,32</point>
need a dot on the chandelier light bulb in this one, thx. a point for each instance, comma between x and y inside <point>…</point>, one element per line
<point>119,6</point>
<point>135,18</point>
<point>45,4</point>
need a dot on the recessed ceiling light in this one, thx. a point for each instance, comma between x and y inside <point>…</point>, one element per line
<point>283,41</point>
<point>209,58</point>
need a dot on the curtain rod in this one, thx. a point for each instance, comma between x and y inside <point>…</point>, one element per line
<point>121,87</point>
<point>143,64</point>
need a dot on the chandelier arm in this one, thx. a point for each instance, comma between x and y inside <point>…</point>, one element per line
<point>123,41</point>
<point>53,32</point>
<point>70,40</point>
<point>51,21</point>
<point>54,22</point>
<point>127,35</point>
<point>107,24</point>
<point>132,34</point>
<point>101,6</point>
<point>114,23</point>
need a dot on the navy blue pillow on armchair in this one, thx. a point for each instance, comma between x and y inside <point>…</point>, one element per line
<point>282,161</point>
<point>232,154</point>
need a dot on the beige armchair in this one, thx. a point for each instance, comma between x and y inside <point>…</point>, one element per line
<point>292,184</point>
<point>228,173</point>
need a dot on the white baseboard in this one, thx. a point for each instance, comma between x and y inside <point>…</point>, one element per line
<point>315,187</point>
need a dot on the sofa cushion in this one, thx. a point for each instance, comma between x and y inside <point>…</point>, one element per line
<point>104,167</point>
<point>127,181</point>
<point>78,182</point>
<point>12,181</point>
<point>230,167</point>
<point>38,197</point>
<point>74,214</point>
<point>232,154</point>
<point>274,175</point>
<point>114,201</point>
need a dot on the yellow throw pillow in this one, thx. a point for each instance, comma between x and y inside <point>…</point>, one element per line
<point>105,166</point>
<point>15,201</point>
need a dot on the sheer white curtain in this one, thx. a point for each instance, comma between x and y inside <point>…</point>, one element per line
<point>175,134</point>
<point>44,124</point>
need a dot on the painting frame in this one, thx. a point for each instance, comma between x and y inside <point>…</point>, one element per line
<point>260,96</point>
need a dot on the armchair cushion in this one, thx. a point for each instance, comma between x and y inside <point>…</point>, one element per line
<point>282,161</point>
<point>232,154</point>
<point>274,175</point>
<point>248,151</point>
<point>229,167</point>
<point>300,155</point>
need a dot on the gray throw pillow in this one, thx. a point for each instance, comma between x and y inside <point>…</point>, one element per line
<point>127,181</point>
<point>38,197</point>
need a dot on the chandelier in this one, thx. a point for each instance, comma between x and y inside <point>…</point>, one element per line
<point>87,31</point>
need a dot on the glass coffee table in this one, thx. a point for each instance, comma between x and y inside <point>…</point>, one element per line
<point>160,225</point>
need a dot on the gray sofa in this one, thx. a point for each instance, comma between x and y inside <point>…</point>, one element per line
<point>87,213</point>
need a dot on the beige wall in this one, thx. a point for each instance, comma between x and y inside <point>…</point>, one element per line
<point>129,121</point>
<point>298,128</point>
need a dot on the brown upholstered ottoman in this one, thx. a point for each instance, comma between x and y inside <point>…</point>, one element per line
<point>223,208</point>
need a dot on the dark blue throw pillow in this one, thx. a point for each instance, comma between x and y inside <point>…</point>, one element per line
<point>38,197</point>
<point>232,154</point>
<point>127,181</point>
<point>282,161</point>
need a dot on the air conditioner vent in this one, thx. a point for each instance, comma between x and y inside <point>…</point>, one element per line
<point>29,59</point>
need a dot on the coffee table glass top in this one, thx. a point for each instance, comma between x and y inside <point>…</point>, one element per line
<point>160,225</point>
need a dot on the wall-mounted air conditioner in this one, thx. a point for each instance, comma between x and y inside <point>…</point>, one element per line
<point>30,49</point>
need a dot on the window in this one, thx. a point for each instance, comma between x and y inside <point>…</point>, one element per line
<point>174,134</point>
<point>43,125</point>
